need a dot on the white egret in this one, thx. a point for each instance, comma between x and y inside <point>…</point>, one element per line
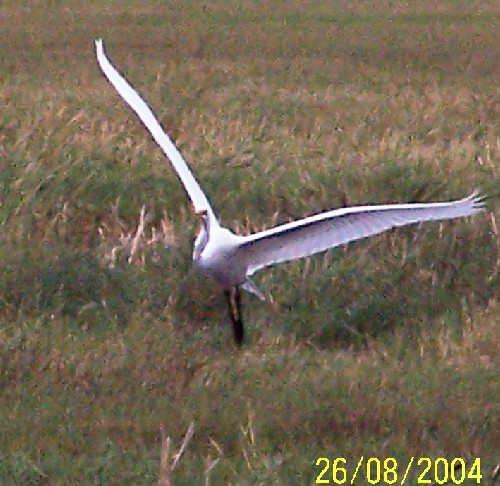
<point>230,259</point>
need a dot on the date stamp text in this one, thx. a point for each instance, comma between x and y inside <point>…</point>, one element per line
<point>388,471</point>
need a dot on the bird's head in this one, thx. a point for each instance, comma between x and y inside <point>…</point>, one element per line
<point>204,219</point>
<point>202,238</point>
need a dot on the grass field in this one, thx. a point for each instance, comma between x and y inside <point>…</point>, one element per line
<point>387,348</point>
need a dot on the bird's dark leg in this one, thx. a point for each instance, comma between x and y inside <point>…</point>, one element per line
<point>233,298</point>
<point>227,295</point>
<point>239,331</point>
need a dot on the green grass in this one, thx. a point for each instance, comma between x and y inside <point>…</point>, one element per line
<point>388,348</point>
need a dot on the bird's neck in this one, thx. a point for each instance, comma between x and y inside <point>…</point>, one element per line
<point>209,224</point>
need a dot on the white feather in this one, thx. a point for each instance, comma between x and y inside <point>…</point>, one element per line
<point>323,231</point>
<point>197,196</point>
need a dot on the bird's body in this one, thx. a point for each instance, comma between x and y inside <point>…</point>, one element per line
<point>230,259</point>
<point>219,257</point>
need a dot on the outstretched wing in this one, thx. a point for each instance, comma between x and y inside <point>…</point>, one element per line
<point>320,232</point>
<point>197,196</point>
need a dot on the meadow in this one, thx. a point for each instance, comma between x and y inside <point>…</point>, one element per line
<point>386,348</point>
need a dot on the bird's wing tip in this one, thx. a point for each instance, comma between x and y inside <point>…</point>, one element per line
<point>478,200</point>
<point>98,43</point>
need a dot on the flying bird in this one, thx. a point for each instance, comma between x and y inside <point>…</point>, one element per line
<point>231,259</point>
